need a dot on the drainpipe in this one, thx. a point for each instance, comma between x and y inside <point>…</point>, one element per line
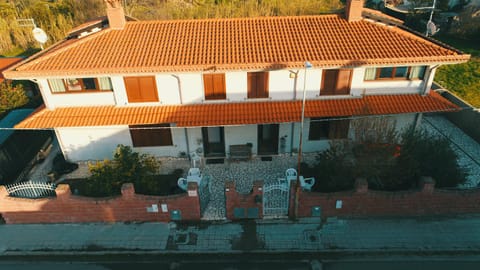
<point>429,80</point>
<point>181,102</point>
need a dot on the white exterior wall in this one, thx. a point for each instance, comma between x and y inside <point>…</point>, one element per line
<point>281,86</point>
<point>91,143</point>
<point>52,101</point>
<point>167,87</point>
<point>241,135</point>
<point>236,86</point>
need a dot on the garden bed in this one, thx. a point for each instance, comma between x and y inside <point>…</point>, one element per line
<point>156,185</point>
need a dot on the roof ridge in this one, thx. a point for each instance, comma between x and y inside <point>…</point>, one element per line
<point>235,19</point>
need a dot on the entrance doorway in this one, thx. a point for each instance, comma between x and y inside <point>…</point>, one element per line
<point>268,139</point>
<point>213,142</point>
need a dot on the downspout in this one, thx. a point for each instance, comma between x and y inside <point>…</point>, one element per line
<point>428,81</point>
<point>292,128</point>
<point>181,102</point>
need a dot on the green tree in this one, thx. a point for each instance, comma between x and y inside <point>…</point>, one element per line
<point>11,96</point>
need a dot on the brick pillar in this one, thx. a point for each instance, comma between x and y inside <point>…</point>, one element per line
<point>361,185</point>
<point>63,192</point>
<point>258,196</point>
<point>128,191</point>
<point>194,200</point>
<point>427,184</point>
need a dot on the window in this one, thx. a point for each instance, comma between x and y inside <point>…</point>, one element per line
<point>214,86</point>
<point>257,84</point>
<point>395,73</point>
<point>323,129</point>
<point>151,135</point>
<point>141,89</point>
<point>80,84</point>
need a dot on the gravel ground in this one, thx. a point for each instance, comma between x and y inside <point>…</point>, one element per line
<point>467,149</point>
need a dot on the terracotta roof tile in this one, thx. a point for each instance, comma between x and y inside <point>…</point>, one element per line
<point>6,62</point>
<point>235,113</point>
<point>241,43</point>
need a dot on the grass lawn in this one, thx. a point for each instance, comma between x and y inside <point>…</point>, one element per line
<point>462,79</point>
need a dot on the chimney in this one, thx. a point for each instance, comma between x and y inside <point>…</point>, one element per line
<point>353,10</point>
<point>115,14</point>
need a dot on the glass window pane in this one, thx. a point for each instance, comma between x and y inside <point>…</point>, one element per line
<point>417,72</point>
<point>386,72</point>
<point>73,84</point>
<point>370,74</point>
<point>105,83</point>
<point>89,83</point>
<point>56,85</point>
<point>401,72</point>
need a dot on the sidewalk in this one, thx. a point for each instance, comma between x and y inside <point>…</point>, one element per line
<point>453,234</point>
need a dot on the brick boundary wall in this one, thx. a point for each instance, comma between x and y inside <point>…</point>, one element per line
<point>362,202</point>
<point>68,208</point>
<point>243,202</point>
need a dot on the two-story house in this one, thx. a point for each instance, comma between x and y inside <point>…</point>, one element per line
<point>173,87</point>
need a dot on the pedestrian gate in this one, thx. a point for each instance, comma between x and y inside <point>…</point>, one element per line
<point>275,200</point>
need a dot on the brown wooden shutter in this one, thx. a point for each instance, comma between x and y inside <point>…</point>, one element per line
<point>141,89</point>
<point>152,135</point>
<point>133,89</point>
<point>148,89</point>
<point>219,86</point>
<point>329,82</point>
<point>214,86</point>
<point>344,80</point>
<point>257,84</point>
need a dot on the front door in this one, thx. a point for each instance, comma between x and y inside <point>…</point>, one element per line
<point>268,139</point>
<point>213,141</point>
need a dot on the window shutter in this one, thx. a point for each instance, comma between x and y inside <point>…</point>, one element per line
<point>141,89</point>
<point>344,78</point>
<point>329,82</point>
<point>214,86</point>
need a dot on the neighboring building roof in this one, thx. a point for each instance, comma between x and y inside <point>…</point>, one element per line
<point>236,44</point>
<point>10,121</point>
<point>224,114</point>
<point>6,62</point>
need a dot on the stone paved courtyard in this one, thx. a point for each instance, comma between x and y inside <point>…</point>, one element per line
<point>242,172</point>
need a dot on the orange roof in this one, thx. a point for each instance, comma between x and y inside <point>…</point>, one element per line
<point>224,114</point>
<point>237,43</point>
<point>6,62</point>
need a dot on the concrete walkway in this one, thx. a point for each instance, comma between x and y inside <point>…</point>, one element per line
<point>453,234</point>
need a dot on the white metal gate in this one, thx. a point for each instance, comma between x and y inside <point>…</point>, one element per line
<point>275,200</point>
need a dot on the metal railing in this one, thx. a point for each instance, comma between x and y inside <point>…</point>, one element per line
<point>31,190</point>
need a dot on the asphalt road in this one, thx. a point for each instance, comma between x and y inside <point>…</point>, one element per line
<point>210,264</point>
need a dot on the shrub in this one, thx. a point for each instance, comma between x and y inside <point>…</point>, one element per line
<point>333,170</point>
<point>127,166</point>
<point>425,155</point>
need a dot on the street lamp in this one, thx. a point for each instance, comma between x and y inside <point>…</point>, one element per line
<point>306,65</point>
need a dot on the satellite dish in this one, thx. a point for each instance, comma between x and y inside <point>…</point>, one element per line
<point>39,35</point>
<point>432,28</point>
